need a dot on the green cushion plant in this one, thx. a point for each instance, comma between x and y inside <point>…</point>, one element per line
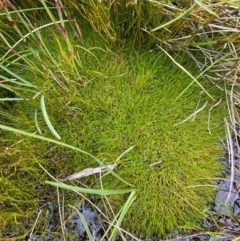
<point>104,99</point>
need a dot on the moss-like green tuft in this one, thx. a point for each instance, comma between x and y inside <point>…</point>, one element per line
<point>142,111</point>
<point>105,101</point>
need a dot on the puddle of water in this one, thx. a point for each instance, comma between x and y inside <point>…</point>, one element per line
<point>227,206</point>
<point>93,220</point>
<point>74,226</point>
<point>228,201</point>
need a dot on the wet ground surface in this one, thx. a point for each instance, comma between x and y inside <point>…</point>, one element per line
<point>226,211</point>
<point>74,226</point>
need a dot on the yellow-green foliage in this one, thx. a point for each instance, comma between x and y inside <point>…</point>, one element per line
<point>172,24</point>
<point>104,100</point>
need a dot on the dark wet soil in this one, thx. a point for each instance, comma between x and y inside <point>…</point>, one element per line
<point>74,227</point>
<point>226,210</point>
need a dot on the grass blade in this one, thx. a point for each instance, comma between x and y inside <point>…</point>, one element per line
<point>28,34</point>
<point>51,16</point>
<point>11,99</point>
<point>204,6</point>
<point>83,222</point>
<point>88,190</point>
<point>36,123</point>
<point>28,84</point>
<point>187,72</point>
<point>46,118</point>
<point>124,210</point>
<point>7,128</point>
<point>175,19</point>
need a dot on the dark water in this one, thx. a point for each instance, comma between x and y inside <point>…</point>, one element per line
<point>227,216</point>
<point>74,226</point>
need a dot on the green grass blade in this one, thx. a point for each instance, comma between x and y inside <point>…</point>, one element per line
<point>28,34</point>
<point>88,190</point>
<point>188,73</point>
<point>207,43</point>
<point>36,95</point>
<point>17,77</point>
<point>47,120</point>
<point>36,123</point>
<point>7,128</point>
<point>124,211</point>
<point>9,116</point>
<point>48,11</point>
<point>59,11</point>
<point>25,10</point>
<point>81,47</point>
<point>90,237</point>
<point>4,40</point>
<point>18,83</point>
<point>4,86</point>
<point>175,19</point>
<point>204,71</point>
<point>49,53</point>
<point>23,21</point>
<point>204,6</point>
<point>11,99</point>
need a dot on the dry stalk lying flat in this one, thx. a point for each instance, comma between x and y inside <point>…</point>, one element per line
<point>88,172</point>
